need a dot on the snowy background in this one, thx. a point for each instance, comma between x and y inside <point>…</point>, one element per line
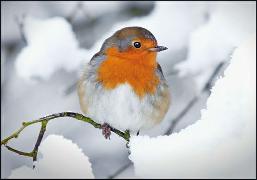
<point>45,44</point>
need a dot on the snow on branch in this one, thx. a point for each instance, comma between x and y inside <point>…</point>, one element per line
<point>210,44</point>
<point>222,143</point>
<point>51,46</point>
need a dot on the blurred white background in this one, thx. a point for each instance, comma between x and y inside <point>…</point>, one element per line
<point>45,44</point>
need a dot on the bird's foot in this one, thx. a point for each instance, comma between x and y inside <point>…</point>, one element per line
<point>106,130</point>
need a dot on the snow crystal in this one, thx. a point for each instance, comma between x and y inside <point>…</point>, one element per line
<point>52,45</point>
<point>222,144</point>
<point>61,159</point>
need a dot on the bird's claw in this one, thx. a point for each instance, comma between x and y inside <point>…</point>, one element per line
<point>106,130</point>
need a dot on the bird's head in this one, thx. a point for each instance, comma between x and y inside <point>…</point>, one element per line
<point>132,43</point>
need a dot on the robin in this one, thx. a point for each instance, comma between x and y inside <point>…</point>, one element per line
<point>123,85</point>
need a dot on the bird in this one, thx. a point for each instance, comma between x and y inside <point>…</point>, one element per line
<point>123,85</point>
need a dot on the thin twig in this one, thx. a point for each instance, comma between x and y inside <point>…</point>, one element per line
<point>70,18</point>
<point>71,88</point>
<point>34,152</point>
<point>19,152</point>
<point>39,139</point>
<point>44,120</point>
<point>78,7</point>
<point>20,23</point>
<point>181,114</point>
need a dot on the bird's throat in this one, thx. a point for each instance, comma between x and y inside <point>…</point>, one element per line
<point>138,72</point>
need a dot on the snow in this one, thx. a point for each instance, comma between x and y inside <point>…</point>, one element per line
<point>52,45</point>
<point>168,23</point>
<point>61,159</point>
<point>11,10</point>
<point>212,43</point>
<point>222,144</point>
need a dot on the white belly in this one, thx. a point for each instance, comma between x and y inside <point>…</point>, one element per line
<point>121,108</point>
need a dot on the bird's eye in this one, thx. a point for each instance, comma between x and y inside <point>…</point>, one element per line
<point>137,44</point>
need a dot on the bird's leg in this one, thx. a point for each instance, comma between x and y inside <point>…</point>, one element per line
<point>138,132</point>
<point>106,130</point>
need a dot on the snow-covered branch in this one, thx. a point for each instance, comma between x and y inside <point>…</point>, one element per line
<point>222,143</point>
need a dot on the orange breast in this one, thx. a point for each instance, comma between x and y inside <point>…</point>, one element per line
<point>136,69</point>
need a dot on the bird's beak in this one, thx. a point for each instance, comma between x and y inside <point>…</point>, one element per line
<point>158,48</point>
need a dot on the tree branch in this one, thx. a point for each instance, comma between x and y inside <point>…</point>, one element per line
<point>39,139</point>
<point>44,120</point>
<point>78,7</point>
